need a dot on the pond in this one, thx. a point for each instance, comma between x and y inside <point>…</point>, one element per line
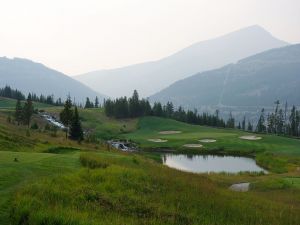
<point>211,163</point>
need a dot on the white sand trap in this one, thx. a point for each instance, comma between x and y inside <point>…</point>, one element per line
<point>241,187</point>
<point>250,137</point>
<point>170,132</point>
<point>193,146</point>
<point>157,140</point>
<point>207,140</point>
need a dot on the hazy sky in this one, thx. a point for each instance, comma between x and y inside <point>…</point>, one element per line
<point>75,36</point>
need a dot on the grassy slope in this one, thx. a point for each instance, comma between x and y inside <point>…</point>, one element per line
<point>7,103</point>
<point>132,189</point>
<point>136,190</point>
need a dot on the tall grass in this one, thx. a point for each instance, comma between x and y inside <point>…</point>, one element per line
<point>134,190</point>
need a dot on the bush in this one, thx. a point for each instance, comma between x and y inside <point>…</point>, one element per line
<point>34,126</point>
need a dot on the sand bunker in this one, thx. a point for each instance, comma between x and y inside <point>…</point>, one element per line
<point>250,137</point>
<point>207,140</point>
<point>241,187</point>
<point>192,145</point>
<point>170,132</point>
<point>157,140</point>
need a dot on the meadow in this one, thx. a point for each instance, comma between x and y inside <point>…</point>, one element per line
<point>46,179</point>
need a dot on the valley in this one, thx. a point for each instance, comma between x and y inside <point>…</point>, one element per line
<point>45,177</point>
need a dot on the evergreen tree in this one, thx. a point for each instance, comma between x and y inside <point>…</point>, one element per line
<point>293,122</point>
<point>261,122</point>
<point>76,132</point>
<point>134,105</point>
<point>66,115</point>
<point>27,111</point>
<point>96,102</point>
<point>249,127</point>
<point>18,112</point>
<point>244,123</point>
<point>157,109</point>
<point>230,122</point>
<point>88,104</point>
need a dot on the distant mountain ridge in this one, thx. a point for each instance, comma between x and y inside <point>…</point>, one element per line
<point>258,80</point>
<point>28,76</point>
<point>151,77</point>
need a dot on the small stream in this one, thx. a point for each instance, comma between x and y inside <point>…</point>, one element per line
<point>211,163</point>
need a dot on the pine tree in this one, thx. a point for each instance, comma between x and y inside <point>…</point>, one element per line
<point>134,105</point>
<point>76,132</point>
<point>18,112</point>
<point>96,102</point>
<point>230,122</point>
<point>66,114</point>
<point>261,122</point>
<point>88,103</point>
<point>244,123</point>
<point>157,109</point>
<point>27,111</point>
<point>249,127</point>
<point>293,122</point>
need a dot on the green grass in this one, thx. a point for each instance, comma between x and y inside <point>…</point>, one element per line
<point>29,167</point>
<point>135,190</point>
<point>227,139</point>
<point>58,181</point>
<point>8,103</point>
<point>104,127</point>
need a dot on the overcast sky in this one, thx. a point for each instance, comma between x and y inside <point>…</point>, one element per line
<point>75,36</point>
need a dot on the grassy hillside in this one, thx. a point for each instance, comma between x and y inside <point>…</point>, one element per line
<point>46,179</point>
<point>133,190</point>
<point>8,103</point>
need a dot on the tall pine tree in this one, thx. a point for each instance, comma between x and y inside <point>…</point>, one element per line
<point>76,132</point>
<point>66,114</point>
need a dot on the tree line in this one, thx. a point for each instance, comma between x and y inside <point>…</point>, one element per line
<point>134,107</point>
<point>281,121</point>
<point>8,92</point>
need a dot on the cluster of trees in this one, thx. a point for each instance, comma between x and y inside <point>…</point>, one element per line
<point>23,113</point>
<point>135,107</point>
<point>8,92</point>
<point>90,104</point>
<point>281,121</point>
<point>70,118</point>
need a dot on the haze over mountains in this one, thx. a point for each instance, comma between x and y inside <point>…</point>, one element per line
<point>28,76</point>
<point>151,77</point>
<point>258,80</point>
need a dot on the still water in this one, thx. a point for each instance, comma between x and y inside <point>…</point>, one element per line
<point>211,163</point>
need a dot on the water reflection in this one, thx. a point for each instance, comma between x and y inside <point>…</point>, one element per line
<point>211,163</point>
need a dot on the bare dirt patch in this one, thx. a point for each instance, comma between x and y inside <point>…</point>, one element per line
<point>207,140</point>
<point>193,145</point>
<point>170,132</point>
<point>157,140</point>
<point>250,137</point>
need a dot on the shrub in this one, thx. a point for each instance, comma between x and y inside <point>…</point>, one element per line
<point>34,126</point>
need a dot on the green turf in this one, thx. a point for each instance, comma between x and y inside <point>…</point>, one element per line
<point>227,139</point>
<point>112,187</point>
